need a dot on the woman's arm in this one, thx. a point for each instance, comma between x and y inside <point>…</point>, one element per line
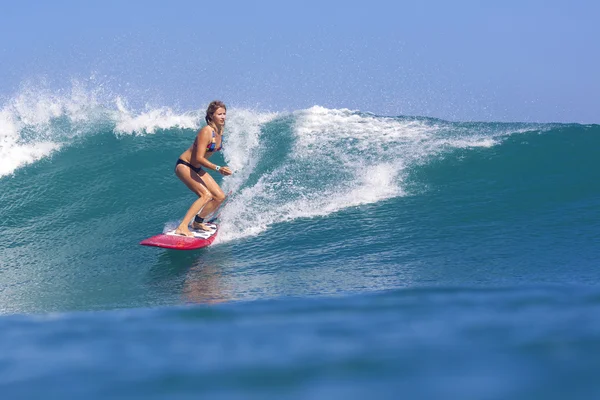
<point>202,141</point>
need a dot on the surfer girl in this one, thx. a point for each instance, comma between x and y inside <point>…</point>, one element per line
<point>189,169</point>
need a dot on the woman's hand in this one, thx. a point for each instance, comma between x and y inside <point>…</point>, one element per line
<point>225,171</point>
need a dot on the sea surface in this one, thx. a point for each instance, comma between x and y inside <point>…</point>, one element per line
<point>358,255</point>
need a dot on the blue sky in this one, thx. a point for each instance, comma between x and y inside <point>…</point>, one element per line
<point>461,60</point>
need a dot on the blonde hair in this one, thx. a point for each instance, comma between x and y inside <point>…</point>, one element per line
<point>212,108</point>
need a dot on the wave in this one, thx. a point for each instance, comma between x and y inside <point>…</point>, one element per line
<point>301,164</point>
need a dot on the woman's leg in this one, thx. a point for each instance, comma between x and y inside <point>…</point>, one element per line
<point>218,197</point>
<point>194,182</point>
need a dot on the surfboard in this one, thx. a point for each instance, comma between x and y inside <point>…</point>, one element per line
<point>170,240</point>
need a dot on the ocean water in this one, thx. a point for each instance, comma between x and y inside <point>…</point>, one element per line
<point>358,255</point>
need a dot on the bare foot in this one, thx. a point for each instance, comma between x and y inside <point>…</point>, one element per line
<point>198,226</point>
<point>184,232</point>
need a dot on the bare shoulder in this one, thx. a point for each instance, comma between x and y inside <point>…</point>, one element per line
<point>204,134</point>
<point>207,130</point>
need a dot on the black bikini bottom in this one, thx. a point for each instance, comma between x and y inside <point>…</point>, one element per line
<point>187,164</point>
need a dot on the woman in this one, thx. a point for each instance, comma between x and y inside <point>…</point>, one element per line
<point>189,169</point>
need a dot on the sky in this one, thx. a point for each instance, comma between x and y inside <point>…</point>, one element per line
<point>529,61</point>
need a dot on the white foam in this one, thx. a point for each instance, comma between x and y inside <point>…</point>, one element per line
<point>242,144</point>
<point>27,133</point>
<point>340,159</point>
<point>334,164</point>
<point>15,153</point>
<point>151,119</point>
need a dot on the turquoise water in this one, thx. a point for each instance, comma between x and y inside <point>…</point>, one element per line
<point>358,255</point>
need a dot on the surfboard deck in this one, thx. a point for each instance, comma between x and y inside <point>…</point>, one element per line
<point>169,240</point>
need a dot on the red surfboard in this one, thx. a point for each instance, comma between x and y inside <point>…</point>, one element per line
<point>169,240</point>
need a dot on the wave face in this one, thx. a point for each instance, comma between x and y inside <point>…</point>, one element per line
<point>324,202</point>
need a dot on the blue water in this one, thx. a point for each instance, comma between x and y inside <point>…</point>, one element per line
<point>358,255</point>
